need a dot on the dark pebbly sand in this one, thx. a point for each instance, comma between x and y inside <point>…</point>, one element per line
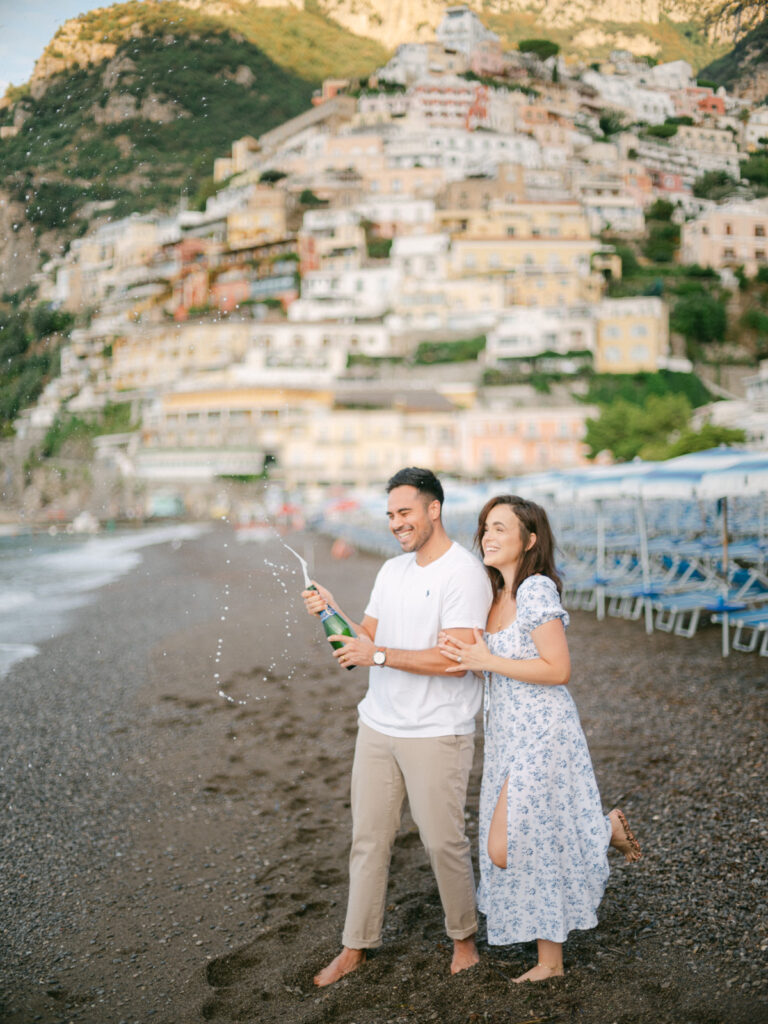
<point>170,856</point>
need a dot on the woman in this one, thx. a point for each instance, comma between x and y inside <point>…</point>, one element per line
<point>543,836</point>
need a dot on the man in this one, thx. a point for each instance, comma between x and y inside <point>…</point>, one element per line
<point>416,728</point>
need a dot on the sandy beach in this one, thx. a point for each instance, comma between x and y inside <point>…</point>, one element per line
<point>172,855</point>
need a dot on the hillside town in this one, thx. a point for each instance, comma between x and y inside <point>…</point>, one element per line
<point>468,197</point>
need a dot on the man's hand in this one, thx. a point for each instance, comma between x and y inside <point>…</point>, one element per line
<point>316,600</point>
<point>357,650</point>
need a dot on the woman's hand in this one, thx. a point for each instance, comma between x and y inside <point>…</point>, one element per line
<point>468,657</point>
<point>316,600</point>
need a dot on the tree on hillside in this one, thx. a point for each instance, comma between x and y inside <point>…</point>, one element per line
<point>625,429</point>
<point>658,429</point>
<point>611,122</point>
<point>542,48</point>
<point>701,318</point>
<point>714,185</point>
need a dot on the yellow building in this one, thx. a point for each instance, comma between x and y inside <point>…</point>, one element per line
<point>562,220</point>
<point>542,250</point>
<point>631,335</point>
<point>419,182</point>
<point>360,447</point>
<point>263,220</point>
<point>157,356</point>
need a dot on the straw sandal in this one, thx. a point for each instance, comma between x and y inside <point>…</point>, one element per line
<point>626,844</point>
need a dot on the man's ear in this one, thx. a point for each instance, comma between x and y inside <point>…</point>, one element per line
<point>433,509</point>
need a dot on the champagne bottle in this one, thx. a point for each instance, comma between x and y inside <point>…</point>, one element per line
<point>334,625</point>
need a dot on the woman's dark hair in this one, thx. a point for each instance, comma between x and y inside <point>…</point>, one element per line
<point>539,558</point>
<point>424,480</point>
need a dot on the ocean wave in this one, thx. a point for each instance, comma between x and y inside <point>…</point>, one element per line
<point>10,600</point>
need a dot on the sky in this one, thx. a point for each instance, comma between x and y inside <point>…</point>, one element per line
<point>26,28</point>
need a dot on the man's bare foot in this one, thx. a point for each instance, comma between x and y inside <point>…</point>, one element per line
<point>464,954</point>
<point>541,972</point>
<point>347,961</point>
<point>622,838</point>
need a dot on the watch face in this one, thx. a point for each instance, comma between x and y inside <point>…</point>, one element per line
<point>379,657</point>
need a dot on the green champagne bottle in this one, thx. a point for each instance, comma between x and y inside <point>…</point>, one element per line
<point>334,625</point>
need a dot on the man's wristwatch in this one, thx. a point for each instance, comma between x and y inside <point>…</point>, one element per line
<point>380,656</point>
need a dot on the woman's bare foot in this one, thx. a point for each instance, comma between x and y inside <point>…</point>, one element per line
<point>347,961</point>
<point>541,972</point>
<point>622,838</point>
<point>464,954</point>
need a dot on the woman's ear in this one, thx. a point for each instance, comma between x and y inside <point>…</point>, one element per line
<point>532,538</point>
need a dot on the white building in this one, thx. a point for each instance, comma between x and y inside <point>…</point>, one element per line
<point>462,30</point>
<point>461,153</point>
<point>673,75</point>
<point>756,129</point>
<point>421,257</point>
<point>397,214</point>
<point>523,331</point>
<point>624,93</point>
<point>365,292</point>
<point>412,61</point>
<point>614,213</point>
<point>315,344</point>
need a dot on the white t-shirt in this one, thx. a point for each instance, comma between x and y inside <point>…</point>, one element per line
<point>411,604</point>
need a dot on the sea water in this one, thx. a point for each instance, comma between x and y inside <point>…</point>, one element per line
<point>43,579</point>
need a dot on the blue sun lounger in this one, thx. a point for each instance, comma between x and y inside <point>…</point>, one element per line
<point>749,625</point>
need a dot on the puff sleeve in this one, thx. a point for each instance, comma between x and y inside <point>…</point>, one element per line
<point>538,602</point>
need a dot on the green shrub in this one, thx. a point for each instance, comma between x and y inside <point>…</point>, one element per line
<point>636,388</point>
<point>662,242</point>
<point>661,131</point>
<point>449,351</point>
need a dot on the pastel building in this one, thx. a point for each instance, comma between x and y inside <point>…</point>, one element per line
<point>502,441</point>
<point>331,239</point>
<point>731,235</point>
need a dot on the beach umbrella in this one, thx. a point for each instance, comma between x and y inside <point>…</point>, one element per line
<point>607,483</point>
<point>748,476</point>
<point>680,478</point>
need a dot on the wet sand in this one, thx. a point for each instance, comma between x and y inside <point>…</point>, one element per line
<point>168,855</point>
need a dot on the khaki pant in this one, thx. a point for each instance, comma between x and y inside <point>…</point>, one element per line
<point>433,772</point>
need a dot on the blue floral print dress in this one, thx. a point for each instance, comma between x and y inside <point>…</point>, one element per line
<point>557,835</point>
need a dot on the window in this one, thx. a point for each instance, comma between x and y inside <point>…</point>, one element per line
<point>728,254</point>
<point>759,231</point>
<point>728,229</point>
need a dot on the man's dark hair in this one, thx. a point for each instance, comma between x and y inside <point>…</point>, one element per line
<point>424,480</point>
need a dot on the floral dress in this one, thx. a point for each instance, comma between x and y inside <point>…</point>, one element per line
<point>557,835</point>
